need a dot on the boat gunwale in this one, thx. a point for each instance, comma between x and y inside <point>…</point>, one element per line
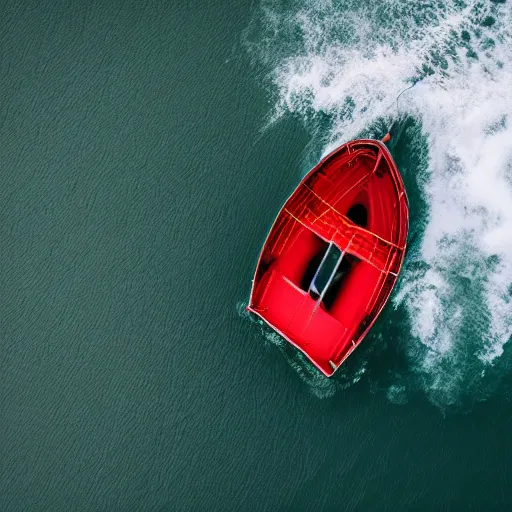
<point>399,184</point>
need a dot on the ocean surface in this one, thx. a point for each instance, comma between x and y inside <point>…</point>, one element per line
<point>145,149</point>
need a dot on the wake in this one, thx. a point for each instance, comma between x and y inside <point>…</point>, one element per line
<point>340,69</point>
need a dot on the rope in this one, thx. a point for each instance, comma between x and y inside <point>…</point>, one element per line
<point>398,97</point>
<point>388,135</point>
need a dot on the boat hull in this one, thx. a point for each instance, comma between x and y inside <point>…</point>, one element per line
<point>333,254</point>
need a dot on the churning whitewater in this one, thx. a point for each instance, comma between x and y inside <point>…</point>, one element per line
<point>340,66</point>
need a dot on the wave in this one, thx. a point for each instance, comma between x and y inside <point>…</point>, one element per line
<point>339,67</point>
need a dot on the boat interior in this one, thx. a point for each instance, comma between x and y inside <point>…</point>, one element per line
<point>313,285</point>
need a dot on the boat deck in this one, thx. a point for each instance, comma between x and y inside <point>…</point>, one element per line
<point>316,215</point>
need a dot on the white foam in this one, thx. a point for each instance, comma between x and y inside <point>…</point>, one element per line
<point>465,108</point>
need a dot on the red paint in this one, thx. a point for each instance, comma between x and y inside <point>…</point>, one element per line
<point>359,172</point>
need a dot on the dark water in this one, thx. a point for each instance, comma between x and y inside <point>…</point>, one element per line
<point>145,149</point>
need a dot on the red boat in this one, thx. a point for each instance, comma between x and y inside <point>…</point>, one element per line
<point>334,253</point>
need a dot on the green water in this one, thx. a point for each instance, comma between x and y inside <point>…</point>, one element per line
<point>138,182</point>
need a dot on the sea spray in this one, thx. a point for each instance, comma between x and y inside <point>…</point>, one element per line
<point>339,67</point>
